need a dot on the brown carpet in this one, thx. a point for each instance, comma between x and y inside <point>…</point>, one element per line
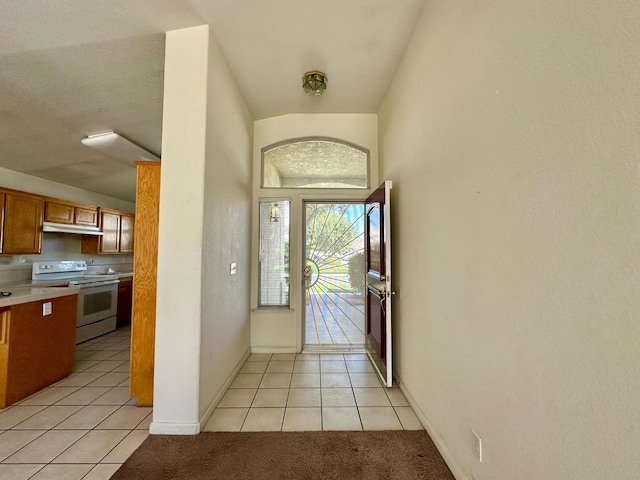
<point>287,455</point>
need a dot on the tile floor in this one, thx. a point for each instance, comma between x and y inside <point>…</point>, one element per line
<point>306,392</point>
<point>83,427</point>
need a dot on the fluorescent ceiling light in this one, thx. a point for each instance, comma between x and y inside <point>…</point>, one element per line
<point>119,147</point>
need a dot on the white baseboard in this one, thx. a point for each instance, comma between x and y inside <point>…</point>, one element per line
<point>453,465</point>
<point>255,349</point>
<point>204,418</point>
<point>169,428</point>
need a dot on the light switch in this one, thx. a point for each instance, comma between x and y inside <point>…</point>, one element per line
<point>233,268</point>
<point>46,309</point>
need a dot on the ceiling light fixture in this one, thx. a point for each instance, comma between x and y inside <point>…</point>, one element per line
<point>314,82</point>
<point>119,147</point>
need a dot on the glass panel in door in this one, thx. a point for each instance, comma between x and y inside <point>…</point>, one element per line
<point>334,281</point>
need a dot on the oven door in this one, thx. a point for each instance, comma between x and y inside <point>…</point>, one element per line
<point>97,302</point>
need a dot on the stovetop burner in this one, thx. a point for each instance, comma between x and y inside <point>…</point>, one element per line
<point>68,272</point>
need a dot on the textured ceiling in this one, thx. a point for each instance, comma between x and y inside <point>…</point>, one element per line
<point>71,68</point>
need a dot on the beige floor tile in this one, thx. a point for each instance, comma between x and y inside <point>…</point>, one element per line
<point>270,397</point>
<point>302,420</point>
<point>83,396</point>
<point>105,366</point>
<point>87,418</point>
<point>13,440</point>
<point>337,397</point>
<point>368,380</point>
<point>259,357</point>
<point>254,367</point>
<point>46,447</point>
<point>126,355</point>
<point>19,472</point>
<point>276,380</point>
<point>48,418</point>
<point>79,379</point>
<point>102,471</point>
<point>100,355</point>
<point>334,380</point>
<point>11,417</point>
<point>340,418</point>
<point>110,379</point>
<point>396,397</point>
<point>331,357</point>
<point>360,366</point>
<point>379,418</point>
<point>336,366</point>
<point>350,357</point>
<point>125,418</point>
<point>305,380</point>
<point>124,383</point>
<point>304,397</point>
<point>144,424</point>
<point>91,448</point>
<point>307,357</point>
<point>125,367</point>
<point>263,420</point>
<point>126,447</point>
<point>307,367</point>
<point>408,418</point>
<point>237,398</point>
<point>226,420</point>
<point>283,357</point>
<point>371,397</point>
<point>113,396</point>
<point>63,472</point>
<point>83,365</point>
<point>49,396</point>
<point>246,380</point>
<point>280,367</point>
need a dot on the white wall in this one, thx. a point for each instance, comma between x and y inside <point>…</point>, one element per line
<point>227,232</point>
<point>279,330</point>
<point>176,402</point>
<point>511,135</point>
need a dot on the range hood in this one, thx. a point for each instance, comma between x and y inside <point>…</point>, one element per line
<point>77,229</point>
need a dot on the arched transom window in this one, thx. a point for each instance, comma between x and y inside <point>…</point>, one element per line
<point>315,163</point>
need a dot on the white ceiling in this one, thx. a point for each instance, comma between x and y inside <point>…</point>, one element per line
<point>71,68</point>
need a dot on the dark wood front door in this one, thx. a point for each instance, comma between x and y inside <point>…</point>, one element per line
<point>378,281</point>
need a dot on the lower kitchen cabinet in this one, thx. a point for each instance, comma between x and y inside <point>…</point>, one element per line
<point>125,293</point>
<point>36,350</point>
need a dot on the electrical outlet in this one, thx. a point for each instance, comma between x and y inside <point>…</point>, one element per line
<point>46,309</point>
<point>477,446</point>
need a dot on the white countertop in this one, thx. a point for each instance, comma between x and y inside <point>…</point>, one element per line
<point>26,294</point>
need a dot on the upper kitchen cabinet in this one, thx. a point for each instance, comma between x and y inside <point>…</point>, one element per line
<point>68,213</point>
<point>117,228</point>
<point>21,222</point>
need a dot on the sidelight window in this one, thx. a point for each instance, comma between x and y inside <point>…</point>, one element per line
<point>273,271</point>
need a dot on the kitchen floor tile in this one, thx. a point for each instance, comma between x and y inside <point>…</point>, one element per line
<point>307,367</point>
<point>83,396</point>
<point>113,396</point>
<point>87,418</point>
<point>340,418</point>
<point>63,472</point>
<point>359,366</point>
<point>83,365</point>
<point>362,357</point>
<point>46,447</point>
<point>124,367</point>
<point>11,417</point>
<point>396,397</point>
<point>246,380</point>
<point>331,357</point>
<point>126,447</point>
<point>379,418</point>
<point>238,397</point>
<point>263,420</point>
<point>304,397</point>
<point>408,418</point>
<point>91,448</point>
<point>368,380</point>
<point>49,396</point>
<point>259,357</point>
<point>102,471</point>
<point>79,379</point>
<point>333,367</point>
<point>302,420</point>
<point>125,418</point>
<point>126,355</point>
<point>104,366</point>
<point>48,418</point>
<point>19,472</point>
<point>337,397</point>
<point>254,367</point>
<point>276,380</point>
<point>283,357</point>
<point>307,357</point>
<point>305,380</point>
<point>226,420</point>
<point>280,367</point>
<point>144,424</point>
<point>371,397</point>
<point>334,380</point>
<point>100,355</point>
<point>270,397</point>
<point>110,379</point>
<point>13,440</point>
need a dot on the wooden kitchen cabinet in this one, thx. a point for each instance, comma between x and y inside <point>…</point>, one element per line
<point>22,223</point>
<point>35,350</point>
<point>125,294</point>
<point>118,230</point>
<point>61,211</point>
